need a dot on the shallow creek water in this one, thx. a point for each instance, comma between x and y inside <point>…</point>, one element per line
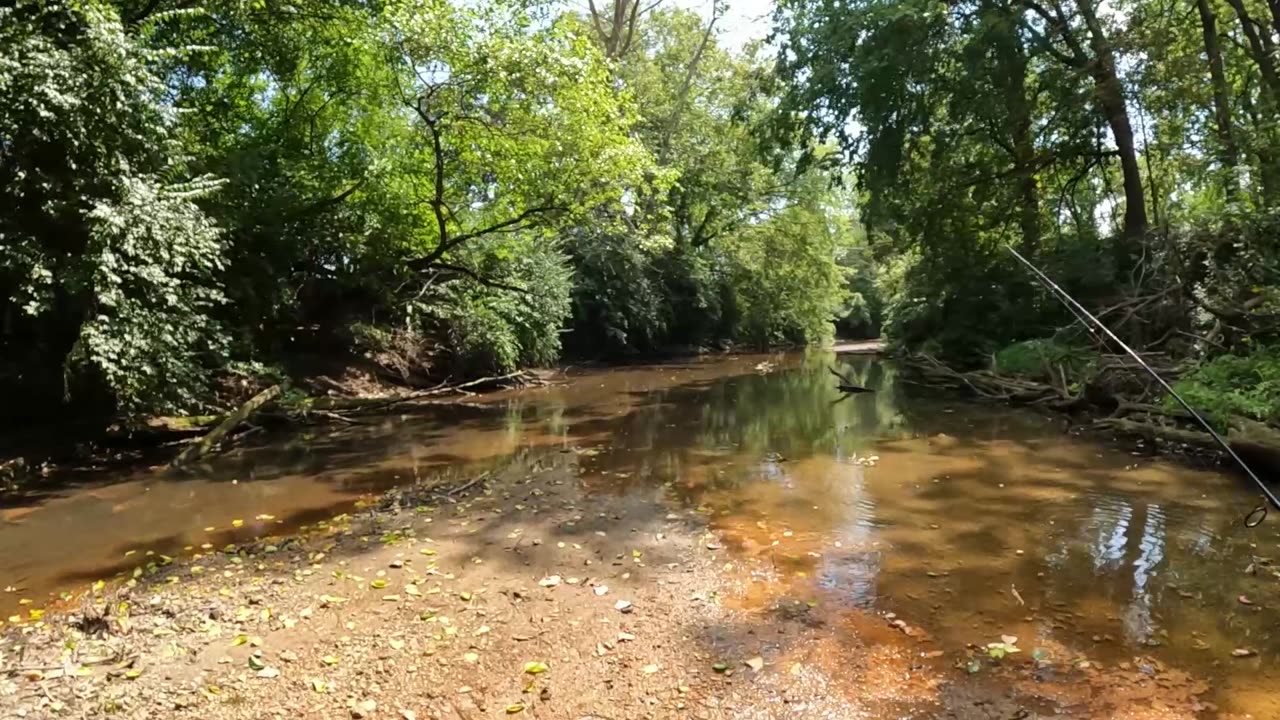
<point>973,522</point>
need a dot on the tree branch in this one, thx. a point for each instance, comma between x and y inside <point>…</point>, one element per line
<point>487,282</point>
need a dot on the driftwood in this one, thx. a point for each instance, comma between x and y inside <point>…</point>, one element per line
<point>204,445</point>
<point>846,385</point>
<point>1257,442</point>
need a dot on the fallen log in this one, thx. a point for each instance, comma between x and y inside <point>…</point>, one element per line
<point>206,444</point>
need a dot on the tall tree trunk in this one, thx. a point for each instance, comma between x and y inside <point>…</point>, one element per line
<point>1110,94</point>
<point>1259,47</point>
<point>1024,155</point>
<point>1228,152</point>
<point>616,29</point>
<point>1010,74</point>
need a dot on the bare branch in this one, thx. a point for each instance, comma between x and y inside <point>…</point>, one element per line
<point>487,282</point>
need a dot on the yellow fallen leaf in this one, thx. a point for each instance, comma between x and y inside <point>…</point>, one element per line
<point>514,708</point>
<point>132,673</point>
<point>319,685</point>
<point>329,660</point>
<point>535,668</point>
<point>265,516</point>
<point>427,551</point>
<point>239,640</point>
<point>378,584</point>
<point>237,523</point>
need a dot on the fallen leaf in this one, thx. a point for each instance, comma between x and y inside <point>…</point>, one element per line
<point>625,636</point>
<point>514,708</point>
<point>1243,652</point>
<point>1009,639</point>
<point>329,660</point>
<point>396,644</point>
<point>255,663</point>
<point>471,657</point>
<point>1244,600</point>
<point>756,663</point>
<point>720,667</point>
<point>378,584</point>
<point>237,523</point>
<point>319,685</point>
<point>412,590</point>
<point>535,668</point>
<point>133,673</point>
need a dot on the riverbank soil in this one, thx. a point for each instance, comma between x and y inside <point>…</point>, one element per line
<point>516,593</point>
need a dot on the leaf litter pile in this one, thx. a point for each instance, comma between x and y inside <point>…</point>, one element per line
<point>517,596</point>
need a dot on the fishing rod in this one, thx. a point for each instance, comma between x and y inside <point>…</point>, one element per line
<point>1255,516</point>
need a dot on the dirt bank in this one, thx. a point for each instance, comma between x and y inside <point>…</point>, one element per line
<point>518,594</point>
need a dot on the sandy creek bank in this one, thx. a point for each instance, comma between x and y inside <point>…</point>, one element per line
<point>426,604</point>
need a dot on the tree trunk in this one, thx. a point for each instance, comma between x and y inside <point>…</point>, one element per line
<point>1258,48</point>
<point>616,35</point>
<point>1024,151</point>
<point>1228,153</point>
<point>1110,94</point>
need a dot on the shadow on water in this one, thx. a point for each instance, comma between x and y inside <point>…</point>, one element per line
<point>972,521</point>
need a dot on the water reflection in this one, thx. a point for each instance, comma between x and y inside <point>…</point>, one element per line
<point>966,505</point>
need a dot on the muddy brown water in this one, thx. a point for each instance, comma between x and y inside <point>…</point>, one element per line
<point>973,522</point>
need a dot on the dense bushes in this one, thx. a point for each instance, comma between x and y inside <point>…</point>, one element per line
<point>1235,385</point>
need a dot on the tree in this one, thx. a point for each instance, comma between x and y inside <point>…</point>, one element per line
<point>107,267</point>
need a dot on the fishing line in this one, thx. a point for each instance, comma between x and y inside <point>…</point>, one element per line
<point>1255,516</point>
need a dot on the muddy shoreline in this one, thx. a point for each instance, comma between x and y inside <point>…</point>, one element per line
<point>518,594</point>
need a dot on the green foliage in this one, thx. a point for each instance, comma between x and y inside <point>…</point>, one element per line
<point>1234,385</point>
<point>1043,358</point>
<point>107,269</point>
<point>1132,153</point>
<point>439,185</point>
<point>496,330</point>
<point>740,245</point>
<point>153,255</point>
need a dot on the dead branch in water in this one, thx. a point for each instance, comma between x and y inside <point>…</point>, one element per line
<point>204,445</point>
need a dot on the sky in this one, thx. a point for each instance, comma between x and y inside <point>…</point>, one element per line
<point>743,21</point>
